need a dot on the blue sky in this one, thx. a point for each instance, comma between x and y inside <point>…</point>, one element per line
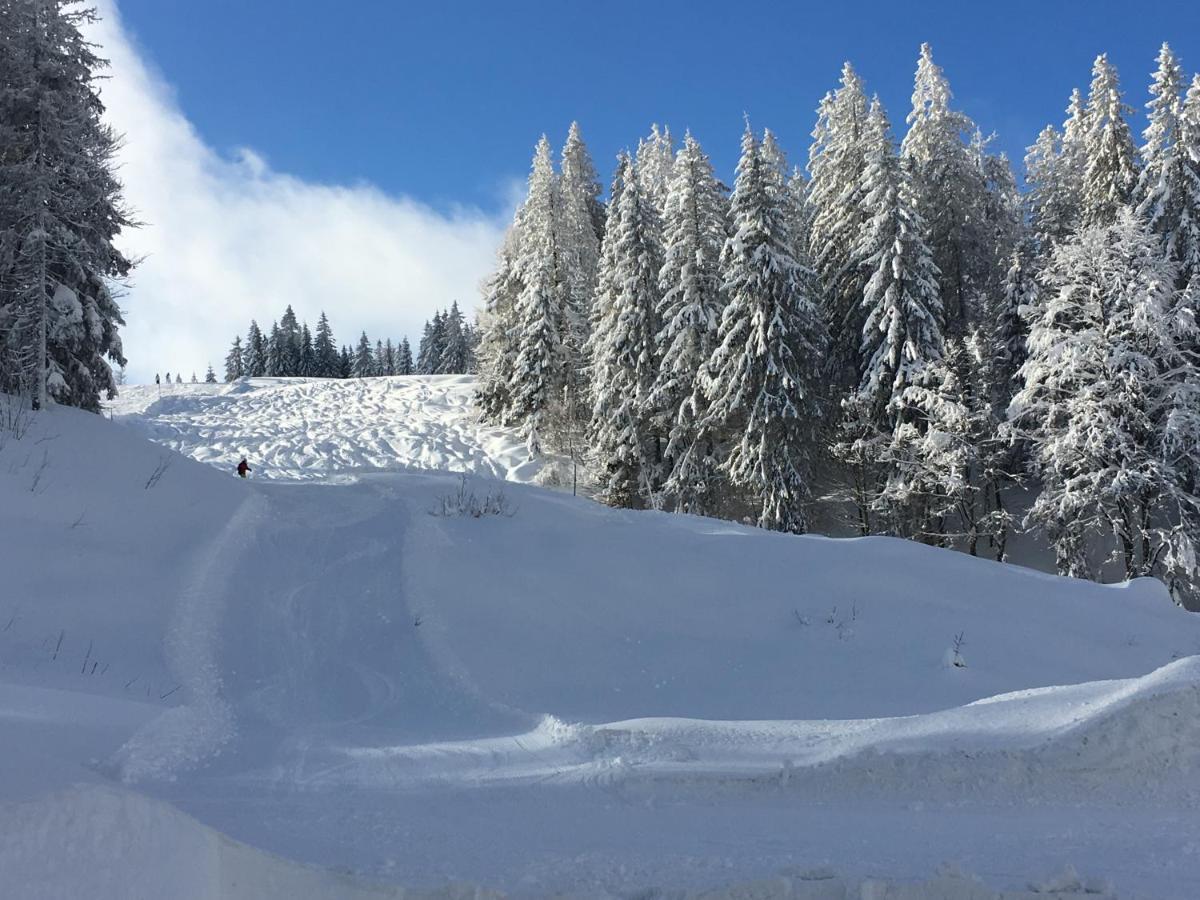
<point>443,101</point>
<point>364,158</point>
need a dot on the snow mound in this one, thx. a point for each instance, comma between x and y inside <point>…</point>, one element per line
<point>1116,738</point>
<point>303,429</point>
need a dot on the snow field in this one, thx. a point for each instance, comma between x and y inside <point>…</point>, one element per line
<point>568,699</point>
<point>297,429</point>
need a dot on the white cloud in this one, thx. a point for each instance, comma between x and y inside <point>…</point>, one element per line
<point>227,240</point>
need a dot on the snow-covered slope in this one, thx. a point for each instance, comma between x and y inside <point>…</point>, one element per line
<point>297,428</point>
<point>563,697</point>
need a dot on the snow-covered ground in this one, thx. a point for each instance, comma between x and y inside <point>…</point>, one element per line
<point>275,688</point>
<point>297,429</point>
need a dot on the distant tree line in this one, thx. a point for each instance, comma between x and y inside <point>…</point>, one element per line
<point>291,349</point>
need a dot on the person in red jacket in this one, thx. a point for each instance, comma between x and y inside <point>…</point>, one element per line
<point>243,467</point>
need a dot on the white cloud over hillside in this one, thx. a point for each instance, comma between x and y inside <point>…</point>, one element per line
<point>230,239</point>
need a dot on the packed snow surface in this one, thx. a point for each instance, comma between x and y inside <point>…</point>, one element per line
<point>212,687</point>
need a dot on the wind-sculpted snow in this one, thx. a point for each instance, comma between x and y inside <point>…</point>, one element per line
<point>567,699</point>
<point>297,429</point>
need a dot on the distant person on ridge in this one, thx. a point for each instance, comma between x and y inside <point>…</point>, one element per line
<point>243,467</point>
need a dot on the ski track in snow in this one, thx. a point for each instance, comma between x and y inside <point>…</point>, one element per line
<point>297,429</point>
<point>184,736</point>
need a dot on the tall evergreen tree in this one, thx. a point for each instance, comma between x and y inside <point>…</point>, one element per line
<point>364,360</point>
<point>290,340</point>
<point>902,337</point>
<point>325,353</point>
<point>1186,244</point>
<point>234,366</point>
<point>771,342</point>
<point>278,352</point>
<point>579,178</point>
<point>951,194</point>
<point>404,359</point>
<point>540,366</point>
<point>836,161</point>
<point>426,360</point>
<point>379,366</point>
<point>389,358</point>
<point>653,163</point>
<point>455,354</point>
<point>579,225</point>
<point>255,358</point>
<point>60,210</point>
<point>307,361</point>
<point>1109,404</point>
<point>695,229</point>
<point>497,323</point>
<point>623,347</point>
<point>1168,192</point>
<point>1110,158</point>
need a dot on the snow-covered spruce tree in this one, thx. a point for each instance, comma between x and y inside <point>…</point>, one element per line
<point>951,193</point>
<point>60,209</point>
<point>290,338</point>
<point>579,178</point>
<point>255,353</point>
<point>497,330</point>
<point>1109,405</point>
<point>1168,192</point>
<point>364,360</point>
<point>764,373</point>
<point>836,160</point>
<point>234,366</point>
<point>455,353</point>
<point>947,459</point>
<point>695,229</point>
<point>277,352</point>
<point>1186,243</point>
<point>579,226</point>
<point>1018,304</point>
<point>902,343</point>
<point>380,358</point>
<point>539,368</point>
<point>1160,139</point>
<point>404,359</point>
<point>1052,217</point>
<point>210,377</point>
<point>1054,171</point>
<point>433,341</point>
<point>1110,158</point>
<point>654,161</point>
<point>623,349</point>
<point>325,350</point>
<point>308,356</point>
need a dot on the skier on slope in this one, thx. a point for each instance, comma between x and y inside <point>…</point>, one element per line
<point>243,468</point>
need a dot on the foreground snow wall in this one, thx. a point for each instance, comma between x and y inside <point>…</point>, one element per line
<point>102,842</point>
